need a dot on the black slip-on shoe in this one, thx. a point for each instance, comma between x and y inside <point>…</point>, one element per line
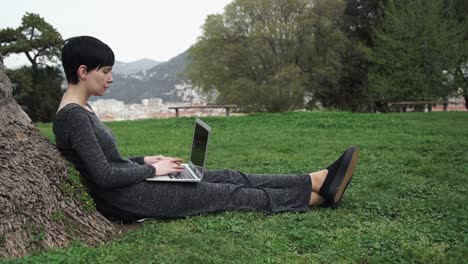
<point>339,176</point>
<point>326,191</point>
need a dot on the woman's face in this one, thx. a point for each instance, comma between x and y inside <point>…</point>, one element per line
<point>98,81</point>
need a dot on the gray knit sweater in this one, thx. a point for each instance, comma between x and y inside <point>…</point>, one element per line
<point>84,140</point>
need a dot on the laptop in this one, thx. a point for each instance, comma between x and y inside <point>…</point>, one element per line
<point>194,169</point>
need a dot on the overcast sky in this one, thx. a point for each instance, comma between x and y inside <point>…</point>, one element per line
<point>134,29</point>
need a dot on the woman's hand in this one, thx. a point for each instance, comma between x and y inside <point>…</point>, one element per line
<point>167,166</point>
<point>155,159</point>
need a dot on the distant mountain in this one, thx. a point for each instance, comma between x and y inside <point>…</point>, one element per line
<point>158,81</point>
<point>126,68</point>
<point>171,69</point>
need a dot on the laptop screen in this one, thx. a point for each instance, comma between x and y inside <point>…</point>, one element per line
<point>199,146</point>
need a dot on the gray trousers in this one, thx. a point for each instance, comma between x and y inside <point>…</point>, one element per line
<point>220,190</point>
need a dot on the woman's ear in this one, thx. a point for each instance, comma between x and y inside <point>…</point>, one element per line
<point>82,72</point>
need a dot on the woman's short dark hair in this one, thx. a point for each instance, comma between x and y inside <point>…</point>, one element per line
<point>85,50</point>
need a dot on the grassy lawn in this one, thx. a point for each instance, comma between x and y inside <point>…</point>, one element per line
<point>407,203</point>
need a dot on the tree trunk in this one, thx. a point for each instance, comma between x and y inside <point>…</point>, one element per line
<point>35,210</point>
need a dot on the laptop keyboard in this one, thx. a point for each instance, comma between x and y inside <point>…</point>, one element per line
<point>181,175</point>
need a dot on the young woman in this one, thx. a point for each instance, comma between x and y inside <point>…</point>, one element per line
<point>118,185</point>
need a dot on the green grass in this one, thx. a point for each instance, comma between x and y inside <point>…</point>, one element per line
<point>407,202</point>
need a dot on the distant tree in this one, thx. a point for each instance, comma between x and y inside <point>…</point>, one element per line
<point>22,84</point>
<point>321,56</point>
<point>414,44</point>
<point>358,20</point>
<point>461,78</point>
<point>40,92</point>
<point>35,38</point>
<point>266,54</point>
<point>49,92</point>
<point>458,75</point>
<point>360,17</point>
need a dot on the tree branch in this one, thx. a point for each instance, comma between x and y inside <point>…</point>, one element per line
<point>32,33</point>
<point>39,52</point>
<point>33,62</point>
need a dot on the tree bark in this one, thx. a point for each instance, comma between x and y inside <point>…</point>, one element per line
<point>36,212</point>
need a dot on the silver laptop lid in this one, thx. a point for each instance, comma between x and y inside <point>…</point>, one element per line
<point>201,133</point>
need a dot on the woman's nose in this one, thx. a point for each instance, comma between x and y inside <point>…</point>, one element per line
<point>110,80</point>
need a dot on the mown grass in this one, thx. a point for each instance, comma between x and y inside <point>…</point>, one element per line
<point>407,202</point>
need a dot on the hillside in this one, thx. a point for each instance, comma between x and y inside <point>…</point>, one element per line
<point>158,81</point>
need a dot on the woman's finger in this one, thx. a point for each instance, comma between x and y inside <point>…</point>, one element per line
<point>177,166</point>
<point>176,160</point>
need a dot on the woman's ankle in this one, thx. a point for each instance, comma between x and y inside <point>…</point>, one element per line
<point>318,178</point>
<point>316,199</point>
